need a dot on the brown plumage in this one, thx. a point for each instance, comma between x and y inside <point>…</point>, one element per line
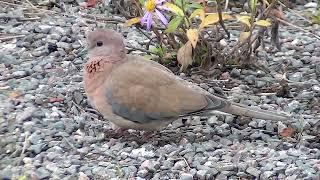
<point>135,93</point>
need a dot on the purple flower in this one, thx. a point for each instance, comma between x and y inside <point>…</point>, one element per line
<point>153,7</point>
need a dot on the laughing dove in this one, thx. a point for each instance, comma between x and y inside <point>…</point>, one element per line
<point>135,93</point>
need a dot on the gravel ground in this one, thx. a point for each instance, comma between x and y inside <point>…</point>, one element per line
<point>48,131</point>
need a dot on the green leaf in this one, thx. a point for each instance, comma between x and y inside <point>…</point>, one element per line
<point>173,8</point>
<point>178,3</point>
<point>194,6</point>
<point>253,5</point>
<point>142,2</point>
<point>158,50</point>
<point>173,24</point>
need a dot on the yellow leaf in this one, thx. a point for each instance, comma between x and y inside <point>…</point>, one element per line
<point>193,36</point>
<point>198,12</point>
<point>243,17</point>
<point>213,18</point>
<point>184,56</point>
<point>264,23</point>
<point>132,21</point>
<point>245,20</point>
<point>244,36</point>
<point>173,8</point>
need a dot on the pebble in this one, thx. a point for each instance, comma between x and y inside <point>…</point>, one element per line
<point>253,171</point>
<point>186,176</point>
<point>296,77</point>
<point>201,174</point>
<point>42,173</point>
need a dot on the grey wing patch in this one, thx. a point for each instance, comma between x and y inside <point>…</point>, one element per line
<point>133,114</point>
<point>214,103</point>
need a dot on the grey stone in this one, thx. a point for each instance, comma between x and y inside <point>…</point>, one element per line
<point>296,77</point>
<point>37,148</point>
<point>78,97</point>
<point>225,142</point>
<point>186,176</point>
<point>143,173</point>
<point>260,84</point>
<point>294,152</point>
<point>64,45</point>
<point>306,95</point>
<point>250,79</point>
<point>52,155</point>
<point>201,174</point>
<point>291,170</point>
<point>6,174</point>
<point>167,164</point>
<point>42,173</point>
<point>222,177</point>
<point>253,171</point>
<point>8,60</point>
<point>227,167</point>
<point>19,73</point>
<point>59,125</point>
<point>35,138</point>
<point>129,171</point>
<point>235,73</point>
<point>296,63</point>
<point>213,120</point>
<point>179,165</point>
<point>267,174</point>
<point>26,114</point>
<point>150,165</point>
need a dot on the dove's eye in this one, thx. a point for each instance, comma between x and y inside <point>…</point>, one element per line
<point>99,43</point>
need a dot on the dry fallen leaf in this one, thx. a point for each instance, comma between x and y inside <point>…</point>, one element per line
<point>213,18</point>
<point>287,132</point>
<point>244,36</point>
<point>132,21</point>
<point>245,20</point>
<point>263,23</point>
<point>184,56</point>
<point>52,100</point>
<point>14,94</point>
<point>193,36</point>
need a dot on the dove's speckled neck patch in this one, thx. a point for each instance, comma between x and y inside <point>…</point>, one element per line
<point>96,64</point>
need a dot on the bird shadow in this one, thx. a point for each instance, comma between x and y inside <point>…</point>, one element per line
<point>156,138</point>
<point>183,134</point>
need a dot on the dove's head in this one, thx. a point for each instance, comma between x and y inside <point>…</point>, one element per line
<point>105,42</point>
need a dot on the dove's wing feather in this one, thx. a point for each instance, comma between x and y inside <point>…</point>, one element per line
<point>142,92</point>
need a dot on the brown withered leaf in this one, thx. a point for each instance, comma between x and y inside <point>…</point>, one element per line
<point>184,56</point>
<point>287,132</point>
<point>14,94</point>
<point>52,100</point>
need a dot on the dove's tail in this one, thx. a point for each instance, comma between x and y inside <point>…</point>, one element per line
<point>242,110</point>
